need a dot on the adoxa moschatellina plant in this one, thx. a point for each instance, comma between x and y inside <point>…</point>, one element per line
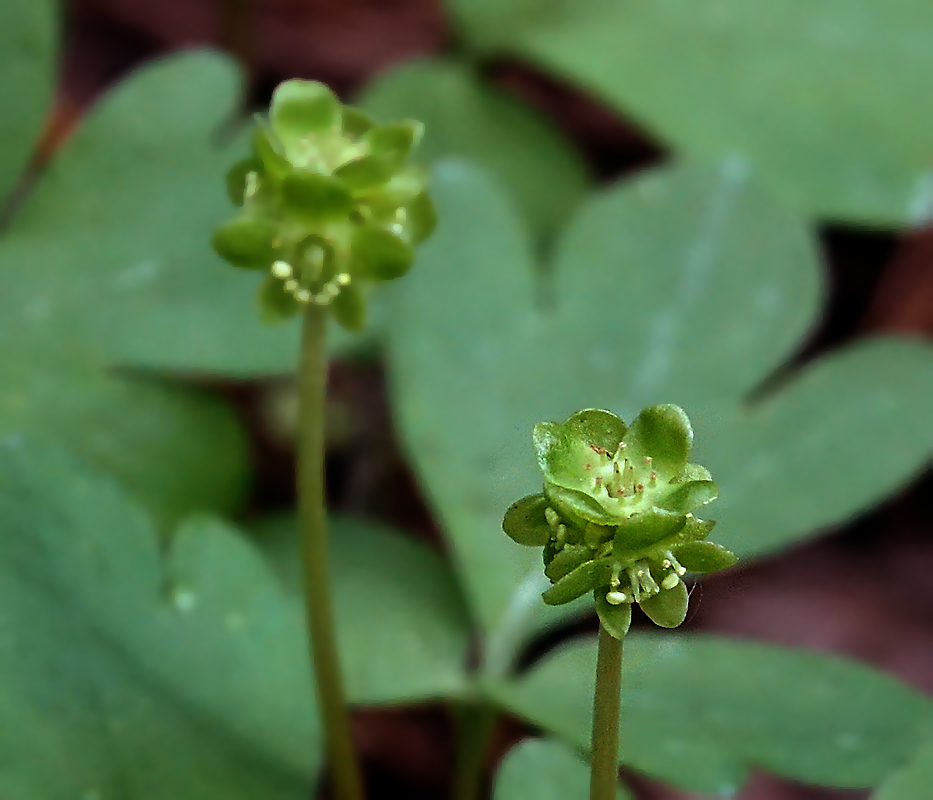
<point>328,208</point>
<point>617,518</point>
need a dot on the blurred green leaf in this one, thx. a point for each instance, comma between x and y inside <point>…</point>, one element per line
<point>682,286</point>
<point>685,285</point>
<point>698,711</point>
<point>28,67</point>
<point>913,781</point>
<point>111,252</point>
<point>850,430</point>
<point>176,449</point>
<point>463,117</point>
<point>544,769</point>
<point>829,101</point>
<point>126,674</point>
<point>403,628</point>
<point>469,426</point>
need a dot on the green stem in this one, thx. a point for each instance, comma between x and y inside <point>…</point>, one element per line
<point>606,702</point>
<point>312,381</point>
<point>476,725</point>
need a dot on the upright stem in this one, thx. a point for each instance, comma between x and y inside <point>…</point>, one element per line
<point>476,725</point>
<point>312,381</point>
<point>606,702</point>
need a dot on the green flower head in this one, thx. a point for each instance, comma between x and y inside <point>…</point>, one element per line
<point>328,204</point>
<point>617,515</point>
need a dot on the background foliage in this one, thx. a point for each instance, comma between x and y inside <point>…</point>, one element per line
<point>150,634</point>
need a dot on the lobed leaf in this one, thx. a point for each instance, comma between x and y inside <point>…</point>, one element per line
<point>911,782</point>
<point>402,627</point>
<point>28,68</point>
<point>803,94</point>
<point>464,117</point>
<point>109,251</point>
<point>544,769</point>
<point>176,449</point>
<point>700,711</point>
<point>121,672</point>
<point>686,284</point>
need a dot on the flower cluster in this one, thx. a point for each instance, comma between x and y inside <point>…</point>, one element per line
<point>328,204</point>
<point>617,514</point>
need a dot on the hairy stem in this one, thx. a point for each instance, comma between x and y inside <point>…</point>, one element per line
<point>606,702</point>
<point>312,380</point>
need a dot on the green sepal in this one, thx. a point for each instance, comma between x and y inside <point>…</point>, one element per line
<point>577,507</point>
<point>395,141</point>
<point>563,454</point>
<point>697,529</point>
<point>704,556</point>
<point>664,434</point>
<point>595,535</point>
<point>354,122</point>
<point>405,186</point>
<point>550,446</point>
<point>366,173</point>
<point>583,579</point>
<point>695,472</point>
<point>316,197</point>
<point>301,107</point>
<point>551,548</point>
<point>645,529</point>
<point>236,178</point>
<point>379,255</point>
<point>525,522</point>
<point>687,497</point>
<point>422,217</point>
<point>597,427</point>
<point>567,560</point>
<point>268,151</point>
<point>667,608</point>
<point>349,308</point>
<point>567,451</point>
<point>615,619</point>
<point>247,241</point>
<point>275,304</point>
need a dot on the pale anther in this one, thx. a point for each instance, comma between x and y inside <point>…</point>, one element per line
<point>671,581</point>
<point>281,269</point>
<point>252,185</point>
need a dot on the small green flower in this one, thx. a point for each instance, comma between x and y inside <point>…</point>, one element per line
<point>328,204</point>
<point>617,514</point>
